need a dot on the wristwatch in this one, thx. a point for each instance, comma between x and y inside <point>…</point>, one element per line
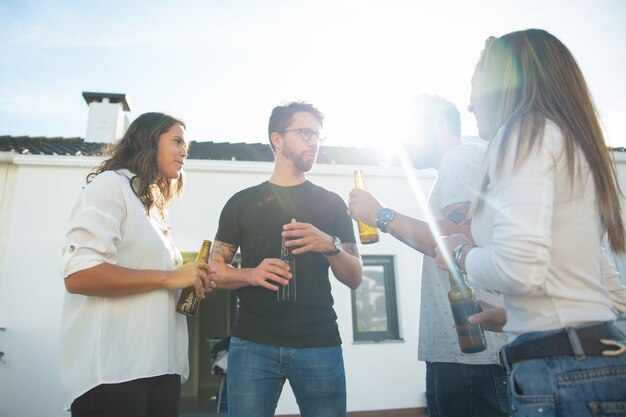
<point>383,217</point>
<point>337,244</point>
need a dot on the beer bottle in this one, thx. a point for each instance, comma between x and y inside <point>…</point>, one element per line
<point>463,304</point>
<point>287,293</point>
<point>188,302</point>
<point>367,233</point>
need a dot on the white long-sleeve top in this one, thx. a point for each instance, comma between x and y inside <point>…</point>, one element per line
<point>540,241</point>
<point>118,339</point>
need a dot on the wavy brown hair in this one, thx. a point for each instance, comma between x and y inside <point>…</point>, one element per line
<point>137,152</point>
<point>530,77</point>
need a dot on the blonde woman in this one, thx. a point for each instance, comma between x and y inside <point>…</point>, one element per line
<point>123,347</point>
<point>549,198</point>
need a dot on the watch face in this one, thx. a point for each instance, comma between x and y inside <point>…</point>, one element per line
<point>386,214</point>
<point>337,243</point>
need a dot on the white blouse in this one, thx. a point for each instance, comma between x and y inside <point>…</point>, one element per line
<point>117,339</point>
<point>540,241</point>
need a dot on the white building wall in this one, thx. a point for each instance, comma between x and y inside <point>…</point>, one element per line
<point>37,195</point>
<point>31,293</point>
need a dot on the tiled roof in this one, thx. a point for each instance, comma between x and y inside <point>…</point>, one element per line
<point>224,151</point>
<point>48,146</point>
<point>262,152</point>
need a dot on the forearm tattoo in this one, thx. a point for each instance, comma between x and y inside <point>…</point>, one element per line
<point>351,248</point>
<point>460,214</point>
<point>400,238</point>
<point>223,252</point>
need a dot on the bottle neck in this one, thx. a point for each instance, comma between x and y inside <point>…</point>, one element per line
<point>359,182</point>
<point>458,281</point>
<point>203,255</point>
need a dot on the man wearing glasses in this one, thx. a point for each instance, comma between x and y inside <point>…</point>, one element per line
<point>298,341</point>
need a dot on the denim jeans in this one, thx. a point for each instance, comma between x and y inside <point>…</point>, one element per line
<point>460,390</point>
<point>256,374</point>
<point>566,387</point>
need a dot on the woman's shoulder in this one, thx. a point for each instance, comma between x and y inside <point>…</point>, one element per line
<point>109,180</point>
<point>553,133</point>
<point>109,191</point>
<point>551,141</point>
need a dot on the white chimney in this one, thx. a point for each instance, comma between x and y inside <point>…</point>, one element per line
<point>107,121</point>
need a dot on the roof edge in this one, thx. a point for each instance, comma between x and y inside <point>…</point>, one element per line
<point>113,98</point>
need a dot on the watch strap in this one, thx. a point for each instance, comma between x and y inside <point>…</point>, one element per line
<point>337,249</point>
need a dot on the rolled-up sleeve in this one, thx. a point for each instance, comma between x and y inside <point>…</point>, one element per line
<point>95,225</point>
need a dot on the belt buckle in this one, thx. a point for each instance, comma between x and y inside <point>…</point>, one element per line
<point>609,342</point>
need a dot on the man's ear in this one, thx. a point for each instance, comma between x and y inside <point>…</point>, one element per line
<point>276,140</point>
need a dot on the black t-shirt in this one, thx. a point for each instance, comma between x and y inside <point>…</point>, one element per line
<point>253,220</point>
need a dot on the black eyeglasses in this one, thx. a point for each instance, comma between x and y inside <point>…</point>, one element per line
<point>306,134</point>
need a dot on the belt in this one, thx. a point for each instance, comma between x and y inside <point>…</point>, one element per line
<point>579,342</point>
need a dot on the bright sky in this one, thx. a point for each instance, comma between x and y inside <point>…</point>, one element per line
<point>223,65</point>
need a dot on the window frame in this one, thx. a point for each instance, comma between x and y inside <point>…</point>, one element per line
<point>391,303</point>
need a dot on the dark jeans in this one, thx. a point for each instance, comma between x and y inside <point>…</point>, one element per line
<point>146,397</point>
<point>459,390</point>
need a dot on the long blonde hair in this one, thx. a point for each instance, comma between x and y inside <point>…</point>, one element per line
<point>530,76</point>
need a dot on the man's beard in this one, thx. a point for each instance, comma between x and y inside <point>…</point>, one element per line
<point>299,161</point>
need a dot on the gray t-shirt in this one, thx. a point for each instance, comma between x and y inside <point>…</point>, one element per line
<point>459,180</point>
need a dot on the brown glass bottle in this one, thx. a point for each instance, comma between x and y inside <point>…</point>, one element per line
<point>188,302</point>
<point>367,233</point>
<point>463,304</point>
<point>287,293</point>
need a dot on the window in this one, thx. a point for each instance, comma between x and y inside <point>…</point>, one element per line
<point>374,305</point>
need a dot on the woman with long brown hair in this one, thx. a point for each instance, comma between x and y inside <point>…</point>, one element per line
<point>549,198</point>
<point>123,347</point>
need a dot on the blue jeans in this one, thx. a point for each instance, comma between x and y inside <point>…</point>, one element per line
<point>563,386</point>
<point>256,374</point>
<point>460,390</point>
